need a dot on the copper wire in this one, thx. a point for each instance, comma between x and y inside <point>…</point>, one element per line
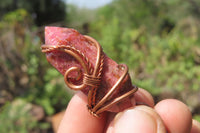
<point>91,76</point>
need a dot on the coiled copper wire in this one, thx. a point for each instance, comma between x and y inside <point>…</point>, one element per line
<point>91,76</point>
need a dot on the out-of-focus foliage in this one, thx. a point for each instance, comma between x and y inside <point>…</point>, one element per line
<point>83,15</point>
<point>159,41</point>
<point>18,116</point>
<point>25,74</point>
<point>43,11</point>
<point>197,117</point>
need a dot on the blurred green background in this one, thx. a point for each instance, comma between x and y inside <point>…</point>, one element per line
<point>158,39</point>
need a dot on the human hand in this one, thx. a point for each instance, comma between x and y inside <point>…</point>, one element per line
<point>168,115</point>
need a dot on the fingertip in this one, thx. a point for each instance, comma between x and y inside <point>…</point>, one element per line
<point>144,97</point>
<point>175,114</point>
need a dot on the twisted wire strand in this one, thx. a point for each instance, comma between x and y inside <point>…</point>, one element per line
<point>75,53</point>
<point>99,75</point>
<point>49,48</point>
<point>91,76</point>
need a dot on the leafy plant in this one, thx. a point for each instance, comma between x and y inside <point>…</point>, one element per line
<point>15,117</point>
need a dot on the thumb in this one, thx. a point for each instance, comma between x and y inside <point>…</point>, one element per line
<point>141,119</point>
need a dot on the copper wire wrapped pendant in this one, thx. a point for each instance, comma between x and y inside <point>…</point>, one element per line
<point>85,67</point>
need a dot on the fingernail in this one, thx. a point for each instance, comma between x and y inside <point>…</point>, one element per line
<point>155,116</point>
<point>137,120</point>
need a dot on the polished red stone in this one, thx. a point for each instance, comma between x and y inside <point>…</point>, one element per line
<point>62,62</point>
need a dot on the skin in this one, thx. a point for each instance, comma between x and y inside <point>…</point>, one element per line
<point>167,116</point>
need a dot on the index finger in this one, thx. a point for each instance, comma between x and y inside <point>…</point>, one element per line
<point>77,119</point>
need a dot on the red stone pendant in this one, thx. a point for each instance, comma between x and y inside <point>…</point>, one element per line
<point>86,67</point>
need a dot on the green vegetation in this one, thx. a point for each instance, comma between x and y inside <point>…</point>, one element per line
<point>161,50</point>
<point>158,40</point>
<point>27,76</point>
